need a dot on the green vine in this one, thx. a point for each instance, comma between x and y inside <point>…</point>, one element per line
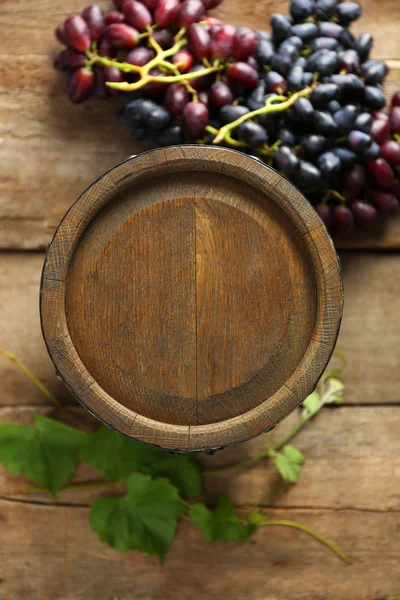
<point>48,452</point>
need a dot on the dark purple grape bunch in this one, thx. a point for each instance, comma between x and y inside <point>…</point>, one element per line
<point>304,97</point>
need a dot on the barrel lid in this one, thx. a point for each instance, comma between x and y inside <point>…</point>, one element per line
<point>191,297</point>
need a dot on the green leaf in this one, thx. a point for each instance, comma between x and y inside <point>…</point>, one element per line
<point>288,463</point>
<point>118,457</point>
<point>333,393</point>
<point>145,519</point>
<point>223,523</point>
<point>311,405</point>
<point>183,472</point>
<point>46,452</point>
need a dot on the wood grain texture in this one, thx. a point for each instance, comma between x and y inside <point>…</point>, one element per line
<point>64,560</point>
<point>341,470</point>
<point>370,333</point>
<point>191,305</point>
<point>66,147</point>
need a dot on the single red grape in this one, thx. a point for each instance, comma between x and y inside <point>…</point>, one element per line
<point>209,4</point>
<point>166,12</point>
<point>379,114</point>
<point>183,60</point>
<point>81,85</point>
<point>155,87</point>
<point>381,172</point>
<point>325,214</point>
<point>68,59</point>
<point>364,214</point>
<point>386,203</point>
<point>94,17</point>
<point>104,48</point>
<point>222,43</point>
<point>243,74</point>
<point>137,15</point>
<point>246,42</point>
<point>100,90</point>
<point>396,98</point>
<point>150,4</point>
<point>60,33</point>
<point>195,118</point>
<point>112,74</point>
<point>199,40</point>
<point>380,130</point>
<point>176,98</point>
<point>76,33</point>
<point>190,12</point>
<point>343,219</point>
<point>394,118</point>
<point>140,56</point>
<point>390,151</point>
<point>354,181</point>
<point>204,81</point>
<point>220,94</point>
<point>114,17</point>
<point>209,20</point>
<point>164,38</point>
<point>121,35</point>
<point>204,98</point>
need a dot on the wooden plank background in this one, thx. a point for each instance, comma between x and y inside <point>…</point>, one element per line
<point>349,488</point>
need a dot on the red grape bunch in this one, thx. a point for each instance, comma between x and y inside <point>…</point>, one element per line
<point>304,97</point>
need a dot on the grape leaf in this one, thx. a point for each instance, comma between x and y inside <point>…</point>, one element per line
<point>118,457</point>
<point>311,405</point>
<point>46,452</point>
<point>288,463</point>
<point>222,523</point>
<point>145,519</point>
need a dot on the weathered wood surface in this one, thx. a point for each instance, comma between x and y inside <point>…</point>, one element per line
<point>51,150</point>
<point>352,462</point>
<point>52,554</point>
<point>370,333</point>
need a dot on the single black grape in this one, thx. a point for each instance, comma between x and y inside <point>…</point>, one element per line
<point>282,63</point>
<point>301,9</point>
<point>286,160</point>
<point>256,98</point>
<point>351,86</point>
<point>324,93</point>
<point>371,153</point>
<point>158,118</point>
<point>313,144</point>
<point>329,163</point>
<point>323,62</point>
<point>345,118</point>
<point>329,29</point>
<point>373,71</point>
<point>363,45</point>
<point>308,175</point>
<point>275,82</point>
<point>348,12</point>
<point>347,157</point>
<point>293,40</point>
<point>281,27</point>
<point>302,110</point>
<point>295,79</point>
<point>253,134</point>
<point>325,9</point>
<point>230,112</point>
<point>326,43</point>
<point>305,31</point>
<point>349,61</point>
<point>364,122</point>
<point>358,141</point>
<point>170,136</point>
<point>287,137</point>
<point>374,98</point>
<point>325,124</point>
<point>333,106</point>
<point>265,52</point>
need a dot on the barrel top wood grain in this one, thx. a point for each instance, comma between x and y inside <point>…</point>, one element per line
<point>191,298</point>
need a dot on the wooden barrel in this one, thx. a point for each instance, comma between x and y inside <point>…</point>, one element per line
<point>191,298</point>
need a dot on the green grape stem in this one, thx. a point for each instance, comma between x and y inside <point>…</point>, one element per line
<point>158,61</point>
<point>271,106</point>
